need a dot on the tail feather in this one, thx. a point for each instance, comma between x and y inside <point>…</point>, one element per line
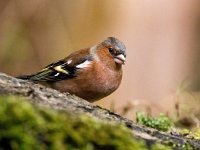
<point>25,77</point>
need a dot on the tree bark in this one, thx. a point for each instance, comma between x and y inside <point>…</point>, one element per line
<point>47,97</point>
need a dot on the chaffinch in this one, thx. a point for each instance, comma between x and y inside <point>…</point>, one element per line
<point>90,73</point>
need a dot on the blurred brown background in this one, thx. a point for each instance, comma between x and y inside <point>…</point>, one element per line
<point>162,40</point>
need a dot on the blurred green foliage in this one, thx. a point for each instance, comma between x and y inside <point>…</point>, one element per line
<point>162,123</point>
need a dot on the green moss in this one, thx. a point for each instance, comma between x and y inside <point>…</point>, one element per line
<point>23,126</point>
<point>161,123</point>
<point>159,146</point>
<point>191,134</point>
<point>182,146</point>
<point>184,132</point>
<point>196,134</point>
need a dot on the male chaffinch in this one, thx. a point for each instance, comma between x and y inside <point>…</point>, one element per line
<point>90,73</point>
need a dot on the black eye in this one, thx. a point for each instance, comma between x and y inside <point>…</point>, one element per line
<point>110,49</point>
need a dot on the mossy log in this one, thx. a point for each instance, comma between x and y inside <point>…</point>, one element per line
<point>46,97</point>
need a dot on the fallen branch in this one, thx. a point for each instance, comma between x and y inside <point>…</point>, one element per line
<point>47,97</point>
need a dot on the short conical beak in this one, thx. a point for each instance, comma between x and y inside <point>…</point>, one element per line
<point>120,59</point>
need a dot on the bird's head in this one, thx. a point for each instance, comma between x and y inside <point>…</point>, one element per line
<point>116,49</point>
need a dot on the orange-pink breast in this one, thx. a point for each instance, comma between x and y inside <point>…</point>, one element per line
<point>92,83</point>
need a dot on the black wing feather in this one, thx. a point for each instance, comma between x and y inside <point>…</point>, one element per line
<point>51,74</point>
